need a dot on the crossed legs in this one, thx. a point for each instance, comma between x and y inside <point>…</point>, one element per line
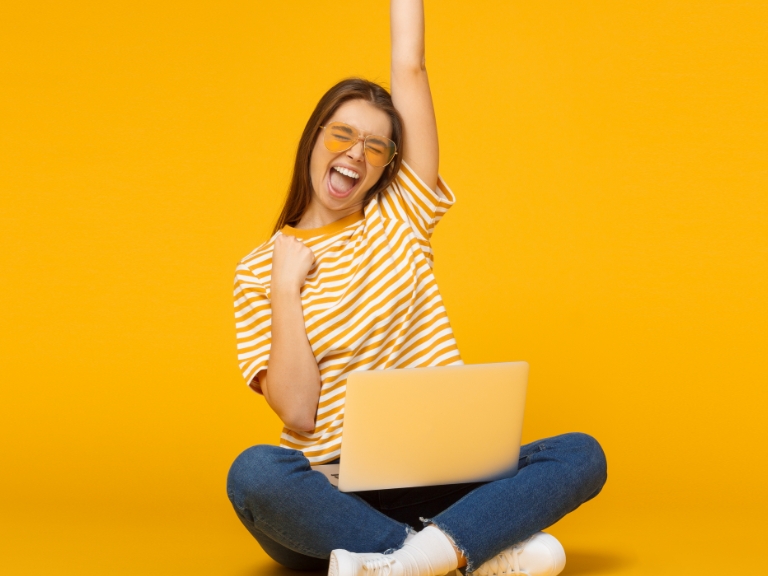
<point>299,518</point>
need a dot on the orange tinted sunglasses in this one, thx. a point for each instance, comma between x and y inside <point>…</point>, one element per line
<point>340,137</point>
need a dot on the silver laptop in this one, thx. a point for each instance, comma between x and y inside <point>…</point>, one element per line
<point>430,426</point>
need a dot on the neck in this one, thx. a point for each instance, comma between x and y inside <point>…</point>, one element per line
<point>314,218</point>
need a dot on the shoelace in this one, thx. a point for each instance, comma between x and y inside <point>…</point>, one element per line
<point>378,567</point>
<point>501,564</point>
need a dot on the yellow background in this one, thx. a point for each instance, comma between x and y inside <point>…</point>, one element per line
<point>611,165</point>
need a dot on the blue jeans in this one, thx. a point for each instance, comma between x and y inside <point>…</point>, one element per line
<point>298,517</point>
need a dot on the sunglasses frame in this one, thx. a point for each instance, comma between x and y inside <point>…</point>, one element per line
<point>359,137</point>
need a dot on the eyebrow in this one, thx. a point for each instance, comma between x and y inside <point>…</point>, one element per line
<point>352,130</point>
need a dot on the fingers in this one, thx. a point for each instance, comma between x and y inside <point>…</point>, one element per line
<point>292,261</point>
<point>293,241</point>
<point>291,247</point>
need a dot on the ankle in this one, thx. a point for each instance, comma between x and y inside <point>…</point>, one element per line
<point>461,561</point>
<point>429,553</point>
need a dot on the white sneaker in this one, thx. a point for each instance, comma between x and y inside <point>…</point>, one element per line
<point>540,555</point>
<point>345,563</point>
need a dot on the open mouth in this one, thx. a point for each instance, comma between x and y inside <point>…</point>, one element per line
<point>342,181</point>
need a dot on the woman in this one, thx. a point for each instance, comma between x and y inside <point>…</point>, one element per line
<point>346,283</point>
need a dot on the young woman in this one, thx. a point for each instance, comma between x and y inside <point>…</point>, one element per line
<point>346,283</point>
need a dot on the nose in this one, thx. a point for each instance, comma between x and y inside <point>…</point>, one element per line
<point>357,152</point>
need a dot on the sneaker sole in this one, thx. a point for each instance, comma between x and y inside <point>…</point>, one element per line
<point>335,565</point>
<point>343,563</point>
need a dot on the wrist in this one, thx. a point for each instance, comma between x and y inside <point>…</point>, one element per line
<point>282,291</point>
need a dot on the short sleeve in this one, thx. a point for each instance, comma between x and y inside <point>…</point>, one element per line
<point>409,198</point>
<point>253,322</point>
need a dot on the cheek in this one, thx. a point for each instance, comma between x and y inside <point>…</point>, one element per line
<point>375,175</point>
<point>370,180</point>
<point>317,166</point>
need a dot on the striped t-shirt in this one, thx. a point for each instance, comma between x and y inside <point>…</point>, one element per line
<point>370,301</point>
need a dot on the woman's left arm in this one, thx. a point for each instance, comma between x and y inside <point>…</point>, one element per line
<point>410,89</point>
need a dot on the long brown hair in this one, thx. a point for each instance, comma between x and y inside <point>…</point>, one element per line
<point>300,189</point>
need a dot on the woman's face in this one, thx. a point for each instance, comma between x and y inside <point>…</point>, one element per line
<point>340,180</point>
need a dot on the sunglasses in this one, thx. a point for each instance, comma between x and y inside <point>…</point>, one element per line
<point>340,137</point>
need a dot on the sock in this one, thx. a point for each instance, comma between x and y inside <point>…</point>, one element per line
<point>428,553</point>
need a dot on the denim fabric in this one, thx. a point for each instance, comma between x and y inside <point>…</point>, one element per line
<point>298,517</point>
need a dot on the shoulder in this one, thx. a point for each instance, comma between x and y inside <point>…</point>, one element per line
<point>407,181</point>
<point>409,199</point>
<point>258,261</point>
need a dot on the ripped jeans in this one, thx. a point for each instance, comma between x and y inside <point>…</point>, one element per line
<point>298,517</point>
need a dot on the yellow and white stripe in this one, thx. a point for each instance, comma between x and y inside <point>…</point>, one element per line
<point>371,301</point>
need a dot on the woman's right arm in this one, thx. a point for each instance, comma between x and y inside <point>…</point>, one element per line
<point>291,383</point>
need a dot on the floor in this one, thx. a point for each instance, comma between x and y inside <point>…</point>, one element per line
<point>601,539</point>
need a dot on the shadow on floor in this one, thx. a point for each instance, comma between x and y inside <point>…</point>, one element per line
<point>578,562</point>
<point>593,562</point>
<point>274,569</point>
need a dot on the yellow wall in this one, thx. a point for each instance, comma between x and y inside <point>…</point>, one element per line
<point>611,165</point>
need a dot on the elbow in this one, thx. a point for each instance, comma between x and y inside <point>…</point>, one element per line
<point>299,423</point>
<point>296,408</point>
<point>299,419</point>
<point>409,66</point>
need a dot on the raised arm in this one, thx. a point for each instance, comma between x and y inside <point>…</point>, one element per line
<point>410,89</point>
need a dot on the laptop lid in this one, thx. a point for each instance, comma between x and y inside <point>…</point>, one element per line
<point>431,426</point>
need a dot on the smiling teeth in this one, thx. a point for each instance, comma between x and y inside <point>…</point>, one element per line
<point>346,172</point>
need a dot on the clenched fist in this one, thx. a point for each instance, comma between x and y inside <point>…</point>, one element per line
<point>291,262</point>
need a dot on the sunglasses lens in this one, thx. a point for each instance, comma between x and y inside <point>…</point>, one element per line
<point>339,137</point>
<point>379,150</point>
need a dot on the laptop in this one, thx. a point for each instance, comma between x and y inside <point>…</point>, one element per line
<point>430,426</point>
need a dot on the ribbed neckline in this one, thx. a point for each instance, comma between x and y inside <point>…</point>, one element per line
<point>331,228</point>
